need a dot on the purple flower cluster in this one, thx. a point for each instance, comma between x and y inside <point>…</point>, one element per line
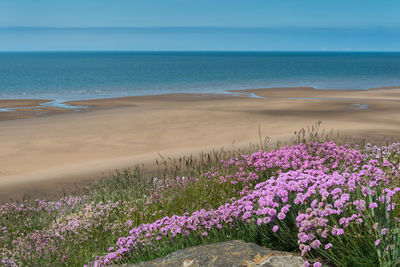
<point>378,152</point>
<point>65,204</point>
<point>318,156</point>
<point>329,186</point>
<point>24,245</point>
<point>325,188</point>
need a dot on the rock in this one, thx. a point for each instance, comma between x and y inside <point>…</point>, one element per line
<point>232,253</point>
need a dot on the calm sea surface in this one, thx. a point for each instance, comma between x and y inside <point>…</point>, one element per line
<point>88,75</point>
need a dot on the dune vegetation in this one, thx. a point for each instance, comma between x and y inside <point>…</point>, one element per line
<point>334,203</point>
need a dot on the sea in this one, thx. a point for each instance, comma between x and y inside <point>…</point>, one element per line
<point>63,76</point>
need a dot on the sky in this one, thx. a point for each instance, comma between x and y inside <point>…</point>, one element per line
<point>267,25</point>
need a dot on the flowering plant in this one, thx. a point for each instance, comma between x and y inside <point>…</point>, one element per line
<point>332,203</point>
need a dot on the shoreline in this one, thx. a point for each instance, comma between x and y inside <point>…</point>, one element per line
<point>32,108</point>
<point>41,152</point>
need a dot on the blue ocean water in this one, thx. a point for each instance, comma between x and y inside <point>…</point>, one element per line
<point>88,75</point>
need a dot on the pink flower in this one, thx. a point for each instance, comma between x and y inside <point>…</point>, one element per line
<point>281,216</point>
<point>328,246</point>
<point>275,228</point>
<point>384,231</point>
<point>373,205</point>
<point>246,215</point>
<point>377,242</point>
<point>315,244</point>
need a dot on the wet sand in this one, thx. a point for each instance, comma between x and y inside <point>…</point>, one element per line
<point>44,148</point>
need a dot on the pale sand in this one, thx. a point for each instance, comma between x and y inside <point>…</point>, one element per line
<point>42,153</point>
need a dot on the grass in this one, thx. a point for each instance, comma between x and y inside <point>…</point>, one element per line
<point>82,226</point>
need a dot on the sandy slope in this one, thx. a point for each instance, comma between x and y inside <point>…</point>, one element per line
<point>38,154</point>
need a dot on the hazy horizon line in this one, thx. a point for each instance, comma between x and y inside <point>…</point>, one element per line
<point>200,38</point>
<point>364,27</point>
<point>204,51</point>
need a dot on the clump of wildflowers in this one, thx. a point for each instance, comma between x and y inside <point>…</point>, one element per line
<point>320,195</point>
<point>330,186</point>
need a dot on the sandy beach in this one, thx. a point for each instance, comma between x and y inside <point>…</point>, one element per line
<point>45,148</point>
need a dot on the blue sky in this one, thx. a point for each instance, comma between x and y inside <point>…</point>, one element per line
<point>341,25</point>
